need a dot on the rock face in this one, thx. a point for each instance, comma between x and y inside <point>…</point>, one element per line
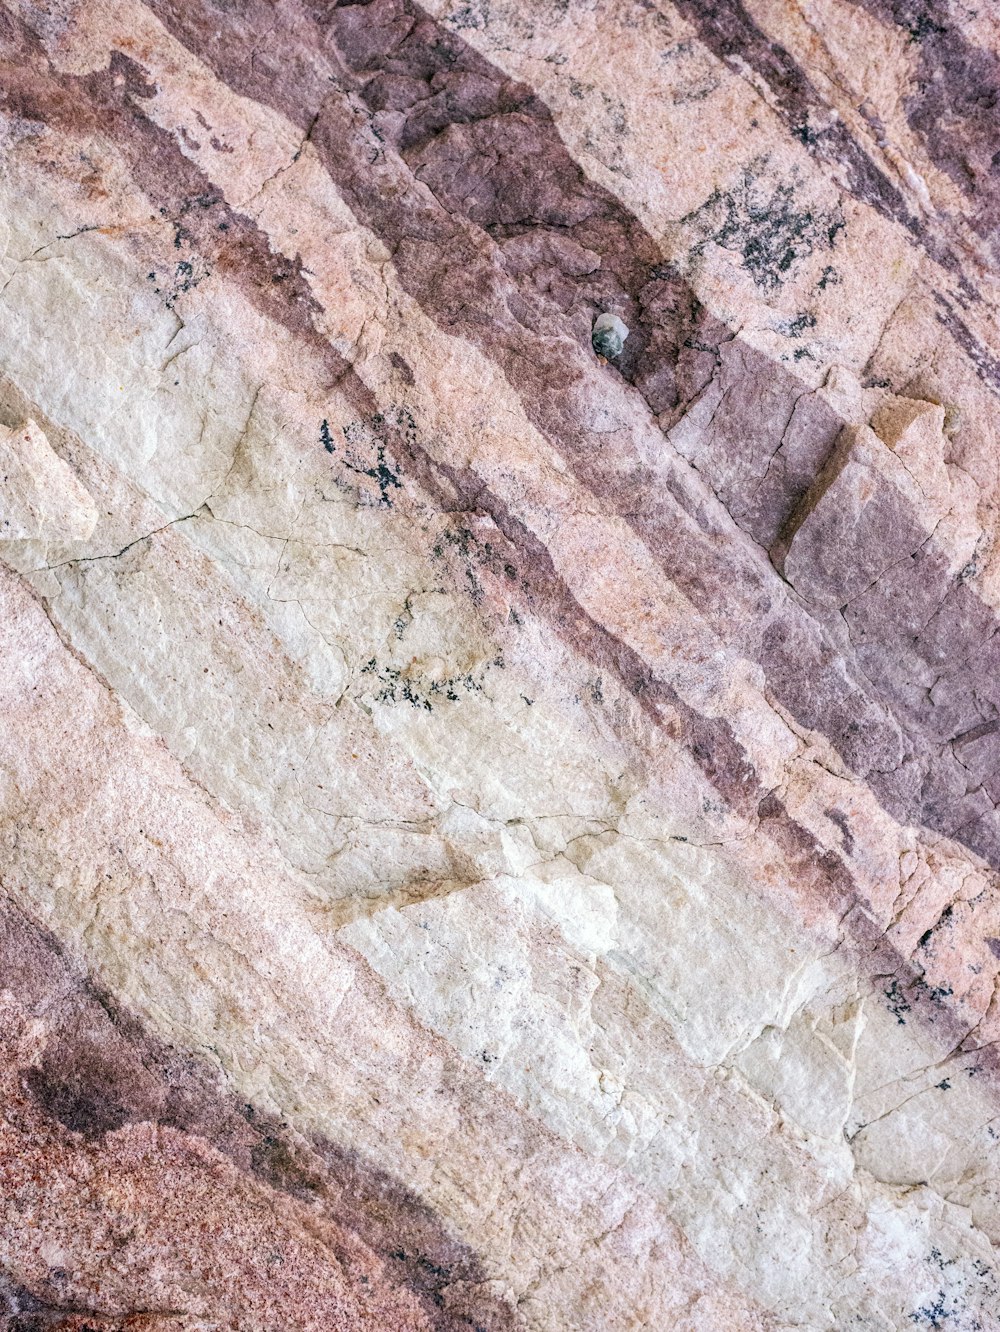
<point>494,835</point>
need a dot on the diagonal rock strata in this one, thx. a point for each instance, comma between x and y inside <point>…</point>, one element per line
<point>511,834</point>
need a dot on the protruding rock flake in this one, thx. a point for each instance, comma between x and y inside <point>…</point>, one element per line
<point>499,666</point>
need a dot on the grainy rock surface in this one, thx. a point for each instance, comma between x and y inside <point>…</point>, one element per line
<point>495,836</point>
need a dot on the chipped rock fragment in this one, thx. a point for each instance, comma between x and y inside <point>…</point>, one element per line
<point>609,336</point>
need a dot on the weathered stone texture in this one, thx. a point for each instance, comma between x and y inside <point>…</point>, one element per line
<point>499,829</point>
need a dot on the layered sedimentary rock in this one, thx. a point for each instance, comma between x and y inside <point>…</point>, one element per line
<point>496,836</point>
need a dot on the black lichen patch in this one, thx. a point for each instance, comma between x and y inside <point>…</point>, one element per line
<point>828,278</point>
<point>472,16</point>
<point>917,993</point>
<point>937,994</point>
<point>186,275</point>
<point>805,134</point>
<point>480,562</point>
<point>401,686</point>
<point>761,221</point>
<point>921,24</point>
<point>964,1290</point>
<point>944,919</point>
<point>936,1313</point>
<point>365,453</point>
<point>794,328</point>
<point>897,1003</point>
